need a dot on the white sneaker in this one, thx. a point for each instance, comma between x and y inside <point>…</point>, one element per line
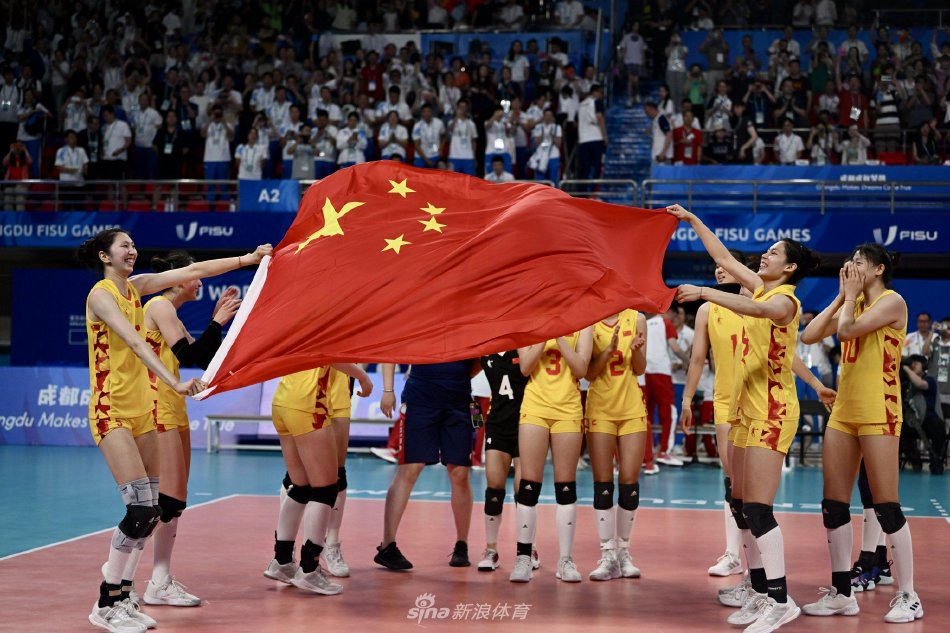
<point>627,568</point>
<point>316,581</point>
<point>727,565</point>
<point>905,607</point>
<point>832,603</point>
<point>489,560</point>
<point>567,570</point>
<point>535,559</point>
<point>281,573</point>
<point>669,460</point>
<point>132,608</point>
<point>774,616</point>
<point>736,596</point>
<point>333,557</point>
<point>170,592</point>
<point>608,567</point>
<point>522,570</point>
<point>752,607</point>
<point>115,618</point>
<point>651,470</point>
<point>384,453</point>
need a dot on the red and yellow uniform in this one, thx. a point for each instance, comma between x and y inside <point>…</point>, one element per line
<point>869,392</point>
<point>171,410</point>
<point>769,400</point>
<point>726,331</point>
<point>339,393</point>
<point>301,402</point>
<point>552,398</point>
<point>121,394</point>
<point>614,401</point>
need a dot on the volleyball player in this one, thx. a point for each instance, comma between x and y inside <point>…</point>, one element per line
<point>551,415</point>
<point>340,403</point>
<point>870,321</point>
<point>507,384</point>
<point>768,403</point>
<point>616,425</point>
<point>173,344</point>
<point>301,410</point>
<point>872,567</point>
<point>721,330</point>
<point>122,408</point>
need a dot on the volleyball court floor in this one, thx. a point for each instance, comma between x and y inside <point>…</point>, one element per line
<point>59,507</point>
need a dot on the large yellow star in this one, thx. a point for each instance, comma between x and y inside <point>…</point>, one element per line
<point>432,210</point>
<point>431,225</point>
<point>331,221</point>
<point>395,244</point>
<point>400,187</point>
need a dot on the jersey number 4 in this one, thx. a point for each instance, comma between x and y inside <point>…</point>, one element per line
<point>505,388</point>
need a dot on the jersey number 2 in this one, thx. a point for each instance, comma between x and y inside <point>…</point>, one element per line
<point>616,363</point>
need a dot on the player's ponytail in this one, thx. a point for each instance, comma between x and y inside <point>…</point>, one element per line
<point>101,242</point>
<point>175,259</point>
<point>806,261</point>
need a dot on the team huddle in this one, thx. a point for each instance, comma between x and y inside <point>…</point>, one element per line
<point>746,332</point>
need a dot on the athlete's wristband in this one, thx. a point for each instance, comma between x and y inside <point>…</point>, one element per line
<point>388,391</point>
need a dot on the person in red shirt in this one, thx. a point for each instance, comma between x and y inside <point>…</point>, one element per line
<point>687,142</point>
<point>853,98</point>
<point>371,78</point>
<point>17,163</point>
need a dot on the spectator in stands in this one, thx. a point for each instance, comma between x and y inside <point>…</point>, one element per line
<point>74,111</point>
<point>887,128</point>
<point>719,108</point>
<point>788,145</point>
<point>852,41</point>
<point>687,142</point>
<point>720,151</point>
<point>497,172</point>
<point>393,138</point>
<point>829,101</point>
<point>511,16</point>
<point>32,116</point>
<point>925,151</point>
<point>462,137</point>
<point>695,89</point>
<point>116,140</point>
<point>90,139</point>
<point>676,67</point>
<point>569,14</point>
<point>71,163</point>
<point>592,134</point>
<point>850,65</point>
<point>351,142</point>
<point>853,105</point>
<point>760,101</point>
<point>940,363</point>
<point>716,50</point>
<point>251,156</point>
<point>518,120</point>
<point>918,106</point>
<point>546,160</point>
<point>661,133</point>
<point>822,141</point>
<point>632,49</point>
<point>826,13</point>
<point>928,418</point>
<point>170,146</point>
<point>786,43</point>
<point>217,155</point>
<point>287,132</point>
<point>146,122</point>
<point>17,163</point>
<point>324,142</point>
<point>9,102</point>
<point>789,106</point>
<point>803,13</point>
<point>923,339</point>
<point>747,144</point>
<point>427,138</point>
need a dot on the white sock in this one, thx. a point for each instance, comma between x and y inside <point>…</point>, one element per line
<point>115,565</point>
<point>772,549</point>
<point>492,526</point>
<point>164,542</point>
<point>566,525</point>
<point>883,539</point>
<point>606,523</point>
<point>336,518</point>
<point>902,553</point>
<point>840,543</point>
<point>132,563</point>
<point>288,520</point>
<point>316,518</point>
<point>753,559</point>
<point>871,532</point>
<point>625,520</point>
<point>733,533</point>
<point>527,523</point>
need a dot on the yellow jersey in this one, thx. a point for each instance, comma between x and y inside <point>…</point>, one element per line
<point>118,378</point>
<point>727,341</point>
<point>768,383</point>
<point>305,391</point>
<point>166,398</point>
<point>614,394</point>
<point>552,392</point>
<point>869,390</point>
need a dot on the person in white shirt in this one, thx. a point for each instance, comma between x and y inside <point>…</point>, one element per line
<point>591,134</point>
<point>74,112</point>
<point>427,137</point>
<point>394,104</point>
<point>250,157</point>
<point>790,44</point>
<point>557,57</point>
<point>302,147</point>
<point>351,142</point>
<point>922,341</point>
<point>511,16</point>
<point>288,133</point>
<point>661,133</point>
<point>853,42</point>
<point>788,145</point>
<point>325,102</point>
<point>569,14</point>
<point>497,173</point>
<point>854,149</point>
<point>802,13</point>
<point>393,138</point>
<point>462,135</point>
<point>116,140</point>
<point>449,95</point>
<point>264,95</point>
<point>324,143</point>
<point>546,160</point>
<point>146,121</point>
<point>658,391</point>
<point>826,13</point>
<point>632,49</point>
<point>217,156</point>
<point>72,165</point>
<point>279,111</point>
<point>498,139</point>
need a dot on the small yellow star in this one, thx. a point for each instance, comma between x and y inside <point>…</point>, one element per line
<point>431,225</point>
<point>395,244</point>
<point>432,210</point>
<point>400,187</point>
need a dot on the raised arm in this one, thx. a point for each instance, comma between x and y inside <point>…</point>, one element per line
<point>578,358</point>
<point>779,308</point>
<point>826,323</point>
<point>151,283</point>
<point>697,362</point>
<point>355,371</point>
<point>529,357</point>
<point>717,250</point>
<point>599,361</point>
<point>638,347</point>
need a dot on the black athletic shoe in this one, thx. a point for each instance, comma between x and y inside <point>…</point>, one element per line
<point>391,558</point>
<point>460,555</point>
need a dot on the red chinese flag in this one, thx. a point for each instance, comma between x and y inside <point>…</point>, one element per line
<point>390,263</point>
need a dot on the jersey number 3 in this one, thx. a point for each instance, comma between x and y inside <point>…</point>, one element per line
<point>554,359</point>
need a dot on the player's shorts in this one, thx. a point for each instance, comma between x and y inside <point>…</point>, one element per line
<point>721,414</point>
<point>554,426</point>
<point>295,422</point>
<point>172,419</point>
<point>434,435</point>
<point>859,429</point>
<point>338,392</point>
<point>739,432</point>
<point>502,435</point>
<point>775,435</point>
<point>139,425</point>
<point>618,427</point>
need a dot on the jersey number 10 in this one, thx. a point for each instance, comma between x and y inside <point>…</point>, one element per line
<point>850,352</point>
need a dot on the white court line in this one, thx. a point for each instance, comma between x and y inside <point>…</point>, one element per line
<point>108,529</point>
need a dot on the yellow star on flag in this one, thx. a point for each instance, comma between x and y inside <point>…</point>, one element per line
<point>331,221</point>
<point>431,225</point>
<point>432,210</point>
<point>395,244</point>
<point>400,187</point>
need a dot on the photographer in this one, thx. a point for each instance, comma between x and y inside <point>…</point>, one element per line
<point>823,140</point>
<point>922,418</point>
<point>939,366</point>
